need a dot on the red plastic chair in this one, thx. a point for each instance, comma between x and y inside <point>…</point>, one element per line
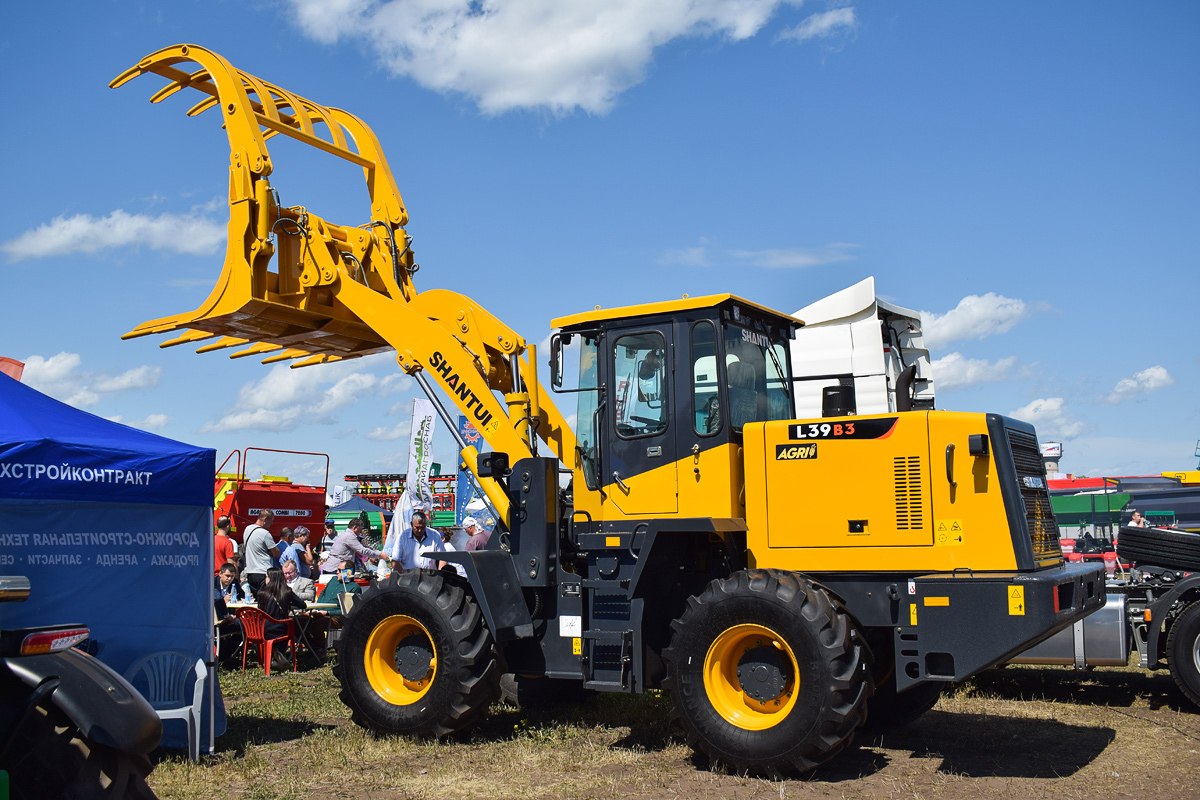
<point>254,624</point>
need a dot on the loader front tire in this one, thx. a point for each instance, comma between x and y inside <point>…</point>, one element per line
<point>416,657</point>
<point>767,674</point>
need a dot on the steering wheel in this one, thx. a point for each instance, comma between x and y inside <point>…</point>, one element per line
<point>643,420</point>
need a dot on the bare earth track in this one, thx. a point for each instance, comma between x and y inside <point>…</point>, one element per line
<point>1026,732</point>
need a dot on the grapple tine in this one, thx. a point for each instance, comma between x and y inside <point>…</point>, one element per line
<point>286,355</point>
<point>190,336</point>
<point>323,358</point>
<point>221,344</point>
<point>261,347</point>
<point>202,106</point>
<point>174,86</point>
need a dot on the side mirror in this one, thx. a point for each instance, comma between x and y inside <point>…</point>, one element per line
<point>493,465</point>
<point>556,368</point>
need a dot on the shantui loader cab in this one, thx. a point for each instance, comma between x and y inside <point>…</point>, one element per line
<point>782,579</point>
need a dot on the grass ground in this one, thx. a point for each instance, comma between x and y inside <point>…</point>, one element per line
<point>1016,732</point>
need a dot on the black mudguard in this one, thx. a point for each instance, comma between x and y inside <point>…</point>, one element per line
<point>99,701</point>
<point>1158,611</point>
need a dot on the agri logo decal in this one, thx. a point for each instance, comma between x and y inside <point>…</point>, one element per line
<point>795,452</point>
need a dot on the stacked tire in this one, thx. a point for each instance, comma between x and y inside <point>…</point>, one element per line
<point>1162,547</point>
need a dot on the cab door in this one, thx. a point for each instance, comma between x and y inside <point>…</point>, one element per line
<point>639,467</point>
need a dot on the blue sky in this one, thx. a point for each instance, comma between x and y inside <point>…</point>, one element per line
<point>1026,173</point>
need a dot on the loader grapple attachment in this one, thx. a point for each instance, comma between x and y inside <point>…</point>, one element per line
<point>290,312</point>
<point>295,287</point>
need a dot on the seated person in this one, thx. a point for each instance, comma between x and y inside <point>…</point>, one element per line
<point>229,628</point>
<point>277,601</point>
<point>304,588</point>
<point>232,590</point>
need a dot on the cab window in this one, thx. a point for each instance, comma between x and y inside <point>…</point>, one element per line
<point>757,378</point>
<point>706,390</point>
<point>639,375</point>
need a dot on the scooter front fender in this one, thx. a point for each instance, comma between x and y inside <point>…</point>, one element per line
<point>102,704</point>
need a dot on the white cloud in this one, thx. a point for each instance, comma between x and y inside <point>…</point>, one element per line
<point>260,419</point>
<point>507,54</point>
<point>703,255</point>
<point>396,382</point>
<point>1050,418</point>
<point>1144,382</point>
<point>60,377</point>
<point>823,25</point>
<point>193,234</point>
<point>345,392</point>
<point>41,373</point>
<point>397,431</point>
<point>285,398</point>
<point>795,257</point>
<point>152,422</point>
<point>955,372</point>
<point>975,317</point>
<point>687,256</point>
<point>142,377</point>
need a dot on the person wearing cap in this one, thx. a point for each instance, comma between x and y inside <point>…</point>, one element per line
<point>348,546</point>
<point>479,536</point>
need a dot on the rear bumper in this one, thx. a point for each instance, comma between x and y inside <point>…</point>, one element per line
<point>955,626</point>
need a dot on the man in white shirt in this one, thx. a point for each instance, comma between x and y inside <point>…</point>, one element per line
<point>414,540</point>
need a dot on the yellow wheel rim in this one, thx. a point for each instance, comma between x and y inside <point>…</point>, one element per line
<point>724,687</point>
<point>380,660</point>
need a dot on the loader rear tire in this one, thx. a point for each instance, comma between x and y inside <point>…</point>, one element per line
<point>1183,652</point>
<point>416,657</point>
<point>767,674</point>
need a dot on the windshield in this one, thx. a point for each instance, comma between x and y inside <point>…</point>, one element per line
<point>757,375</point>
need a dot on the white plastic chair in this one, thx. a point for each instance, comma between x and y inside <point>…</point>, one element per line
<point>167,673</point>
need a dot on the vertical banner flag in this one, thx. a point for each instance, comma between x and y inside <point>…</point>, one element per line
<point>417,491</point>
<point>464,491</point>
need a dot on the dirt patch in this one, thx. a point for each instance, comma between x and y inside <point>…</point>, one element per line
<point>1026,732</point>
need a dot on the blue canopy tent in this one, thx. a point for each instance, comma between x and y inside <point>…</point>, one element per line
<point>113,528</point>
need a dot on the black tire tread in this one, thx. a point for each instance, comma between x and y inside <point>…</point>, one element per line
<point>1181,639</point>
<point>1160,547</point>
<point>840,650</point>
<point>52,758</point>
<point>476,677</point>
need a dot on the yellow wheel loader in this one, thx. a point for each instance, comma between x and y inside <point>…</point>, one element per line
<point>783,579</point>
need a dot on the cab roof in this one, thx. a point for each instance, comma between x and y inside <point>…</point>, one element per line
<point>665,307</point>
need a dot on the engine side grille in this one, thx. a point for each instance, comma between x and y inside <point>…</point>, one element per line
<point>1043,529</point>
<point>909,510</point>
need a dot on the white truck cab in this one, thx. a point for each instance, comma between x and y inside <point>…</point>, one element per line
<point>854,339</point>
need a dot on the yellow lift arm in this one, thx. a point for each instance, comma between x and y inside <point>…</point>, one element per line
<point>338,291</point>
